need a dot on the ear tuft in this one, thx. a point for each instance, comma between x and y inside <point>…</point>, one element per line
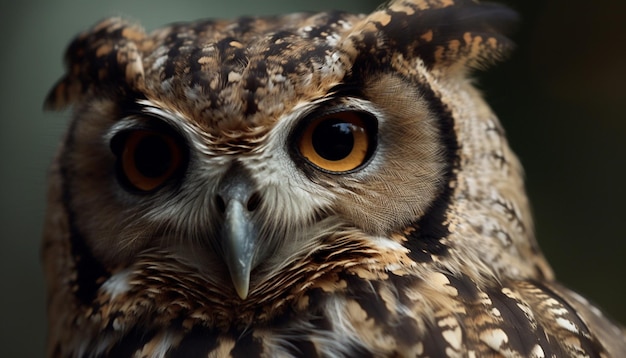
<point>444,34</point>
<point>105,57</point>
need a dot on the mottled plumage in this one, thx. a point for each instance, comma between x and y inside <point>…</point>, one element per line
<point>304,185</point>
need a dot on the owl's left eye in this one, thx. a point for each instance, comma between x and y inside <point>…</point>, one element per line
<point>339,142</point>
<point>147,158</point>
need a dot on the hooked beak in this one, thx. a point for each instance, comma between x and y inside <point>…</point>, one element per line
<point>238,243</point>
<point>239,235</point>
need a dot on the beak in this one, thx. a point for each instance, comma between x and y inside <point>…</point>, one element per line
<point>239,234</point>
<point>238,243</point>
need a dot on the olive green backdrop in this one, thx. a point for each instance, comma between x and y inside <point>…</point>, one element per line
<point>560,96</point>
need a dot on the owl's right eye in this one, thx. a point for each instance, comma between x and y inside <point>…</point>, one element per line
<point>147,159</point>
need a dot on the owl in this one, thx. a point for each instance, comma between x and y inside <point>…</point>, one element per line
<point>313,184</point>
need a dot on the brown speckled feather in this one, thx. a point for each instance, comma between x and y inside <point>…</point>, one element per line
<point>424,249</point>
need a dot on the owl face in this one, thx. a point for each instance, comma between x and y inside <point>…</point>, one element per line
<point>231,149</point>
<point>327,183</point>
<point>261,184</point>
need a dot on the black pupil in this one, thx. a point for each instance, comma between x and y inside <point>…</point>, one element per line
<point>153,156</point>
<point>333,139</point>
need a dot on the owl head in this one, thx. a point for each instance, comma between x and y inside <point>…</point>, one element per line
<point>266,150</point>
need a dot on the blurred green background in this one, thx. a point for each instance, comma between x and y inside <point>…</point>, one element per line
<point>560,96</point>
